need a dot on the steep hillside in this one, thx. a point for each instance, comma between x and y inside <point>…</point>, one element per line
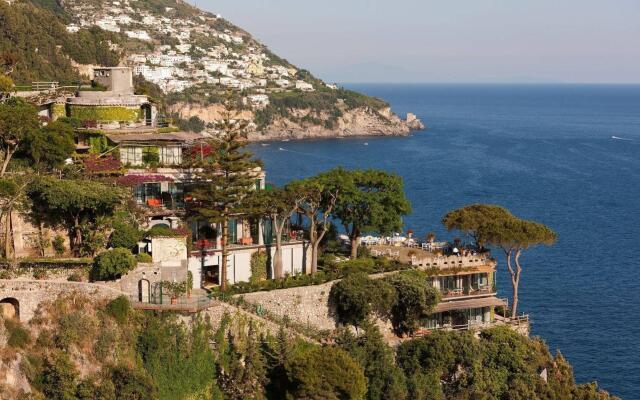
<point>43,50</point>
<point>193,57</point>
<point>77,348</point>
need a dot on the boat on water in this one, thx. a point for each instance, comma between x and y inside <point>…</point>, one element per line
<point>619,138</point>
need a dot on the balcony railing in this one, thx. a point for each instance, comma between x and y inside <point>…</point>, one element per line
<point>458,292</point>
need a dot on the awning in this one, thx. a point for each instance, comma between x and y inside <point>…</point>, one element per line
<point>471,303</point>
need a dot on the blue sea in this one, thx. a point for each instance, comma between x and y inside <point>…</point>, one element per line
<point>564,155</point>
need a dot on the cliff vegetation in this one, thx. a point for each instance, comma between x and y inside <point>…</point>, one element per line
<point>76,348</point>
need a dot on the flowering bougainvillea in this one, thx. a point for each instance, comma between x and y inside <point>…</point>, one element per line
<point>101,165</point>
<point>195,152</point>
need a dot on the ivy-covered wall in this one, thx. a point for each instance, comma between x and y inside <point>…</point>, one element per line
<point>58,111</point>
<point>97,143</point>
<point>105,113</point>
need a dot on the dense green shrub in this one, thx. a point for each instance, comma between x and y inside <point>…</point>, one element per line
<point>164,231</point>
<point>18,336</point>
<point>259,266</point>
<point>91,388</point>
<point>40,273</point>
<point>73,328</point>
<point>179,359</point>
<point>58,245</point>
<point>120,309</point>
<point>57,381</point>
<point>51,263</point>
<point>124,235</point>
<point>355,297</point>
<point>325,373</point>
<point>385,380</point>
<point>134,384</point>
<point>76,277</point>
<point>193,124</point>
<point>112,264</point>
<point>415,298</point>
<point>144,258</point>
<point>329,273</point>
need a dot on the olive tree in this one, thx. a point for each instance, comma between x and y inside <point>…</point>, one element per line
<point>12,197</point>
<point>315,198</point>
<point>74,204</point>
<point>18,120</point>
<point>50,146</point>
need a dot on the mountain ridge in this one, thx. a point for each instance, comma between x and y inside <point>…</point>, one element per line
<point>193,57</point>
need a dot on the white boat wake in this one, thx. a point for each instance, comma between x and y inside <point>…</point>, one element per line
<point>619,138</point>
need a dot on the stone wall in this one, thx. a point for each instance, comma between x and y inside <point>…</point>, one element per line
<point>143,283</point>
<point>30,294</point>
<point>307,305</point>
<point>262,325</point>
<point>169,251</point>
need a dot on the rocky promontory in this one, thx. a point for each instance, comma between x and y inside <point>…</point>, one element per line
<point>308,124</point>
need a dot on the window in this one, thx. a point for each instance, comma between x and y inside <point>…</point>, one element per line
<point>476,316</point>
<point>448,283</point>
<point>150,155</point>
<point>131,155</point>
<point>232,233</point>
<point>479,281</point>
<point>267,231</point>
<point>151,191</point>
<point>171,155</point>
<point>433,321</point>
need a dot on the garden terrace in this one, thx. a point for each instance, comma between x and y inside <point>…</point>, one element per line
<point>425,259</point>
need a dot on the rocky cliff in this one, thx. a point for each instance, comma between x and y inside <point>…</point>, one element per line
<point>307,124</point>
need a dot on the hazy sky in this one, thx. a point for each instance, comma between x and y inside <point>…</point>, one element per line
<point>448,40</point>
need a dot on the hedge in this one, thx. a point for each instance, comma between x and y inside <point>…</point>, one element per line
<point>102,113</point>
<point>50,263</point>
<point>367,265</point>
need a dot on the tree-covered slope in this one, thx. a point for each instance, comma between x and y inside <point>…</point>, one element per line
<point>37,40</point>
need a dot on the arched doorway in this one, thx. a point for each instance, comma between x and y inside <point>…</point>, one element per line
<point>144,291</point>
<point>10,308</point>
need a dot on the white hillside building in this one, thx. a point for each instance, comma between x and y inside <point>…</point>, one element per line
<point>139,34</point>
<point>304,86</point>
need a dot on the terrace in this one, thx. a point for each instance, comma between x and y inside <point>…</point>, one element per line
<point>419,257</point>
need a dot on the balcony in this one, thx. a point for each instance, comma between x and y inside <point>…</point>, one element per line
<point>467,291</point>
